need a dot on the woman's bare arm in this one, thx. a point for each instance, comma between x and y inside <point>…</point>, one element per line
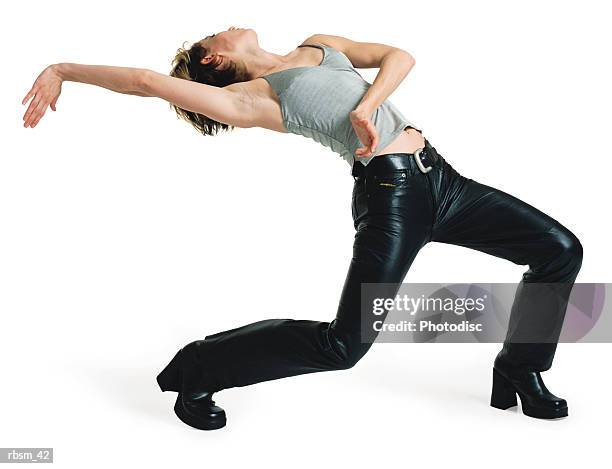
<point>126,80</point>
<point>393,63</point>
<point>228,105</point>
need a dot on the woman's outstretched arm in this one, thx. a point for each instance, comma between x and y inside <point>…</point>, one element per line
<point>126,80</point>
<point>229,104</point>
<point>48,85</point>
<point>226,105</point>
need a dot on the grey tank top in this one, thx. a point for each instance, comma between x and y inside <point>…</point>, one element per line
<point>316,101</point>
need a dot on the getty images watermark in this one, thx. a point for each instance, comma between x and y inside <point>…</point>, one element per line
<point>485,312</point>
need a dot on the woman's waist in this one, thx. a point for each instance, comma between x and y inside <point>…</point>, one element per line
<point>421,160</point>
<point>407,141</point>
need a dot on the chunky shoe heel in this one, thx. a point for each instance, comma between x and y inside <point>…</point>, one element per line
<point>201,413</point>
<point>170,377</point>
<point>536,400</point>
<point>503,394</point>
<point>193,405</point>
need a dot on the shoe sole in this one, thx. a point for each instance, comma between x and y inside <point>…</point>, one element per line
<point>194,421</point>
<point>544,413</point>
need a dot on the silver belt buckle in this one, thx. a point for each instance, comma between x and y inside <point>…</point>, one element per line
<point>417,157</point>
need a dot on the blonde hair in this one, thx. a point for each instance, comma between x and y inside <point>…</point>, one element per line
<point>186,65</point>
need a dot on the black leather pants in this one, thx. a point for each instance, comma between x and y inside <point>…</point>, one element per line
<point>396,212</point>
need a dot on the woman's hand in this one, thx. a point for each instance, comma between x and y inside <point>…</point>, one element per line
<point>45,91</point>
<point>365,130</point>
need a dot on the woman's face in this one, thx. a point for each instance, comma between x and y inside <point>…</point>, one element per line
<point>227,45</point>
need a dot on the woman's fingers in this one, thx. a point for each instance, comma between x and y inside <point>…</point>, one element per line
<point>30,110</point>
<point>30,114</point>
<point>27,96</point>
<point>44,92</point>
<point>367,134</point>
<point>374,140</point>
<point>363,151</point>
<point>40,112</point>
<point>373,136</point>
<point>35,115</point>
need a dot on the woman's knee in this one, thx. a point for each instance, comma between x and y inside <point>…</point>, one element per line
<point>347,347</point>
<point>569,247</point>
<point>565,254</point>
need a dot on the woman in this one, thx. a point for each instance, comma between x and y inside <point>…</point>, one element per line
<point>405,195</point>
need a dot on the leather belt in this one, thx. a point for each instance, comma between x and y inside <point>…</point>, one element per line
<point>423,160</point>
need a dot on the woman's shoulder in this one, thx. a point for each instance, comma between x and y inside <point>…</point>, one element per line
<point>256,86</point>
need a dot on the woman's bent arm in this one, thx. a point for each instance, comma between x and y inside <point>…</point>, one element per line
<point>393,69</point>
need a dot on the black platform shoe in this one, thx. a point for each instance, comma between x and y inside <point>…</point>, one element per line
<point>195,408</point>
<point>199,411</point>
<point>536,400</point>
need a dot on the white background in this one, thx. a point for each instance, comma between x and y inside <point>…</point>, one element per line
<point>124,234</point>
